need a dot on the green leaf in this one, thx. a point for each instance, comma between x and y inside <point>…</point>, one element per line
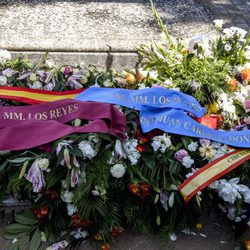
<point>156,198</point>
<point>9,236</point>
<point>149,160</point>
<point>158,220</point>
<point>16,228</point>
<point>2,166</point>
<point>23,169</point>
<point>35,240</point>
<point>20,160</point>
<point>25,220</point>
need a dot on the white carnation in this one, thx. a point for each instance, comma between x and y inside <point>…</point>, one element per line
<point>117,171</point>
<point>87,149</point>
<point>193,146</point>
<point>187,161</point>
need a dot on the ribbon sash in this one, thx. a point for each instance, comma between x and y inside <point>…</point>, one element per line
<point>155,97</point>
<point>211,172</point>
<point>35,96</point>
<point>178,122</point>
<point>24,127</point>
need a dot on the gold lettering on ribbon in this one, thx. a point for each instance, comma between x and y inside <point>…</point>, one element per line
<point>51,114</point>
<point>13,116</point>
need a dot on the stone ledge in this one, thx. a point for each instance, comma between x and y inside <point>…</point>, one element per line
<point>102,60</point>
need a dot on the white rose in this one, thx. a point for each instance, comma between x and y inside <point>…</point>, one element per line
<point>117,171</point>
<point>43,163</point>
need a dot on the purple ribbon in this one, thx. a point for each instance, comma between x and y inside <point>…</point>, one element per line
<point>23,127</point>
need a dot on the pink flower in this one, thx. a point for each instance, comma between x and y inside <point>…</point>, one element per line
<point>205,142</point>
<point>247,105</point>
<point>180,154</point>
<point>73,178</point>
<point>68,70</point>
<point>35,176</point>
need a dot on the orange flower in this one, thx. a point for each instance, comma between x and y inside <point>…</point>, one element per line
<point>247,244</point>
<point>139,75</point>
<point>134,188</point>
<point>130,78</point>
<point>116,231</point>
<point>232,84</point>
<point>145,187</point>
<point>105,247</point>
<point>140,148</point>
<point>245,74</point>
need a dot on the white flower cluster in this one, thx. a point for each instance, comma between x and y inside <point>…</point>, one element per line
<point>4,55</point>
<point>118,170</point>
<point>133,154</point>
<point>201,41</point>
<point>220,150</point>
<point>235,31</point>
<point>161,142</point>
<point>78,234</point>
<point>98,191</point>
<point>225,102</point>
<point>230,190</point>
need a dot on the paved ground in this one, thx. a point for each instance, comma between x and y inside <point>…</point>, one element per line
<point>234,12</point>
<point>215,235</point>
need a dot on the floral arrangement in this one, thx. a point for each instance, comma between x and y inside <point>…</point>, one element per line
<point>90,185</point>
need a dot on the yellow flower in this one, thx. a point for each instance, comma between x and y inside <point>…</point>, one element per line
<point>199,226</point>
<point>213,108</point>
<point>207,152</point>
<point>130,78</point>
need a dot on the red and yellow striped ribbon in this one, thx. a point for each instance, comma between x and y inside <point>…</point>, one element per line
<point>34,96</point>
<point>211,172</point>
